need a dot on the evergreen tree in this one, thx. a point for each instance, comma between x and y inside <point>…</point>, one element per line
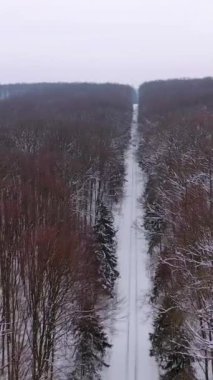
<point>106,248</point>
<point>91,345</point>
<point>170,345</point>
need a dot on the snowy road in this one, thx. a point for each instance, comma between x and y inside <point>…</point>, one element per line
<point>130,358</point>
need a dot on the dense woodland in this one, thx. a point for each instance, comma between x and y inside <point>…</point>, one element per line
<point>62,150</point>
<point>176,153</point>
<point>61,171</point>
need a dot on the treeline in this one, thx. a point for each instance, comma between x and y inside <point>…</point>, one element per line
<point>61,170</point>
<point>176,153</point>
<point>27,99</point>
<point>161,96</point>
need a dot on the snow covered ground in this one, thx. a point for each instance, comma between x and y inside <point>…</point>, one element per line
<point>130,358</point>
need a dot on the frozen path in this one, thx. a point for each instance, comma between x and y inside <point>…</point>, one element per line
<point>130,358</point>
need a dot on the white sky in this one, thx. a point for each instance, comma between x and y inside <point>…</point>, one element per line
<point>127,41</point>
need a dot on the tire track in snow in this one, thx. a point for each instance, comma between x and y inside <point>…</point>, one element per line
<point>136,286</point>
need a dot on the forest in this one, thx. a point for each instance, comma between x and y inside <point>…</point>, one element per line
<point>62,169</point>
<point>64,151</point>
<point>176,154</point>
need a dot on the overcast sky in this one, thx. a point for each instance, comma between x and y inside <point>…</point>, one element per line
<point>127,41</point>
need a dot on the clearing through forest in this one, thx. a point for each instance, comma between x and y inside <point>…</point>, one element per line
<point>129,359</point>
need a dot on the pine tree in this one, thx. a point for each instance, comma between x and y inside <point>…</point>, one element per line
<point>106,248</point>
<point>91,345</point>
<point>170,345</point>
